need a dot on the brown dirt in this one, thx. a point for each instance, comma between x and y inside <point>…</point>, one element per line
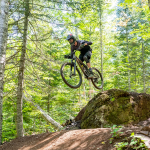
<point>83,139</point>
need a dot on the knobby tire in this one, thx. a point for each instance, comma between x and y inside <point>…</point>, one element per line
<point>64,79</point>
<point>99,77</point>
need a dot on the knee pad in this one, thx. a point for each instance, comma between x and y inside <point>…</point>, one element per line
<point>86,59</point>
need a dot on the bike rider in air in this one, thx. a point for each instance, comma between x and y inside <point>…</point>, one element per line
<point>85,51</point>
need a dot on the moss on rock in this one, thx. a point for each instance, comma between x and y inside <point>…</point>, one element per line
<point>115,107</point>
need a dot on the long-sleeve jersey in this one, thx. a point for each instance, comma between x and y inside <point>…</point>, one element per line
<point>84,49</point>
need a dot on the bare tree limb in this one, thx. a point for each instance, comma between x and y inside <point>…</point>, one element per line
<point>43,113</point>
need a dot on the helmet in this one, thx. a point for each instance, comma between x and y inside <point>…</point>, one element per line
<point>70,36</point>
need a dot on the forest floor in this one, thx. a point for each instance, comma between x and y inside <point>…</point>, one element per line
<point>81,139</point>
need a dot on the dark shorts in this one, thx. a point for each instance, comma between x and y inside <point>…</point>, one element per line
<point>87,55</point>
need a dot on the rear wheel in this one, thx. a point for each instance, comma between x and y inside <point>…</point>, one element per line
<point>68,76</point>
<point>97,79</point>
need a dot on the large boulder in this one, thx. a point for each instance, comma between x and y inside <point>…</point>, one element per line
<point>115,107</point>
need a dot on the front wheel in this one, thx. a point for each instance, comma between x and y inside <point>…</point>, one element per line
<point>97,79</point>
<point>68,76</point>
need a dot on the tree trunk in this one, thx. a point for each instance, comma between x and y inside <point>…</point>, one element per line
<point>129,84</point>
<point>76,28</point>
<point>101,36</point>
<point>48,103</point>
<point>143,63</point>
<point>90,87</point>
<point>80,96</point>
<point>135,75</point>
<point>149,4</point>
<point>21,74</point>
<point>84,89</point>
<point>45,116</point>
<point>3,41</point>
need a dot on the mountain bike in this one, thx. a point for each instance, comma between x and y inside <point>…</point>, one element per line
<point>71,74</point>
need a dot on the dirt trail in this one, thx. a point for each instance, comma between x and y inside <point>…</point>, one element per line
<point>83,139</point>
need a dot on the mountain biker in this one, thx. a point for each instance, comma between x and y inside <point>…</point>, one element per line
<point>85,51</point>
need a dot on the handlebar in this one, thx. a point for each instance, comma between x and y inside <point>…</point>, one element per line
<point>70,56</point>
<point>67,56</point>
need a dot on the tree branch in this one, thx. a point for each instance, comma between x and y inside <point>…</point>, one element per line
<point>43,113</point>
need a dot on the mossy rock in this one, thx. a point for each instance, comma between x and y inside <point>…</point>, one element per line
<point>115,107</point>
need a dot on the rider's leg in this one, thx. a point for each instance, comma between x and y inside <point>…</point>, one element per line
<point>81,57</point>
<point>89,65</point>
<point>87,57</point>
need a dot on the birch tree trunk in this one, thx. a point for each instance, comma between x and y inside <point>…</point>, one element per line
<point>3,41</point>
<point>21,74</point>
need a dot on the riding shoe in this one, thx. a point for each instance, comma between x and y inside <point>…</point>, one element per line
<point>90,75</point>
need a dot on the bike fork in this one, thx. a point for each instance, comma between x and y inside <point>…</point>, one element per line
<point>74,69</point>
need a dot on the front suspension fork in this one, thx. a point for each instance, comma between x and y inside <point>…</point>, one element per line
<point>74,64</point>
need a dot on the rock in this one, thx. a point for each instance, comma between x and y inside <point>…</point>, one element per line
<point>146,128</point>
<point>115,107</point>
<point>72,124</point>
<point>80,114</point>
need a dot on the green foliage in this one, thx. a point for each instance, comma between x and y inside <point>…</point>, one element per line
<point>114,132</point>
<point>131,142</point>
<point>121,145</point>
<point>125,25</point>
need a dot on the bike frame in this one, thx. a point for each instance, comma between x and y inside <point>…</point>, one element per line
<point>74,61</point>
<point>80,63</point>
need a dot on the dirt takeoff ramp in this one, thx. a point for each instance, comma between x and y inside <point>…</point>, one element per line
<point>83,139</point>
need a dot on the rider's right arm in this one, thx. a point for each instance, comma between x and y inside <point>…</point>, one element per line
<point>89,43</point>
<point>72,50</point>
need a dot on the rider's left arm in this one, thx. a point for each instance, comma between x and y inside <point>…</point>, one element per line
<point>87,43</point>
<point>84,44</point>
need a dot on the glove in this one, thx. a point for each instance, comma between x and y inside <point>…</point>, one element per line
<point>67,56</point>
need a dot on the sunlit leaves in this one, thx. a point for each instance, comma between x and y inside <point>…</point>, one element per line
<point>47,45</point>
